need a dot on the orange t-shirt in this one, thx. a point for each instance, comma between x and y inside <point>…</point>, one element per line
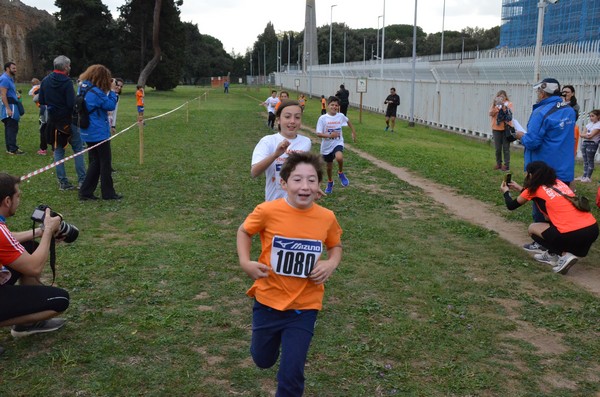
<point>323,104</point>
<point>559,210</point>
<point>139,96</point>
<point>292,242</point>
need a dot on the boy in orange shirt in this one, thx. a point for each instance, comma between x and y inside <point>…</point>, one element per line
<point>139,96</point>
<point>289,274</point>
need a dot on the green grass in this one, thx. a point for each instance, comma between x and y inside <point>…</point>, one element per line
<point>423,304</point>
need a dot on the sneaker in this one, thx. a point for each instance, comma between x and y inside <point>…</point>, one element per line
<point>497,166</point>
<point>79,185</point>
<point>546,257</point>
<point>534,247</point>
<point>329,187</point>
<point>564,263</point>
<point>17,152</point>
<point>580,178</point>
<point>586,180</point>
<point>345,181</point>
<point>66,186</point>
<point>505,168</point>
<point>42,152</point>
<point>41,326</point>
<point>387,128</point>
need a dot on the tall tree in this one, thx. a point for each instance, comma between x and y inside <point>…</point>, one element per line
<point>85,31</point>
<point>137,26</point>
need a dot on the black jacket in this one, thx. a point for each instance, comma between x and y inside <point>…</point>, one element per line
<point>58,94</point>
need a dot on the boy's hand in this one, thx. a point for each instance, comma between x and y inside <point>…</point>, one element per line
<point>353,136</point>
<point>322,271</point>
<point>255,270</point>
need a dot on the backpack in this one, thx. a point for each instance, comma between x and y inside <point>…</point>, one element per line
<point>81,115</point>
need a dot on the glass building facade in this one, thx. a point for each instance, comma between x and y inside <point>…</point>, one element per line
<point>568,21</point>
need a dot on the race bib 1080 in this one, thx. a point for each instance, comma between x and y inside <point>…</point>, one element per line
<point>295,257</point>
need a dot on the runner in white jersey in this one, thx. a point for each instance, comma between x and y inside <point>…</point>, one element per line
<point>270,104</point>
<point>272,150</point>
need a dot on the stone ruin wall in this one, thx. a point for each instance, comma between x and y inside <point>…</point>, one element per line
<point>16,20</point>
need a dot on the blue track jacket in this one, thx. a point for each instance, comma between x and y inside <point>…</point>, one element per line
<point>551,139</point>
<point>98,105</point>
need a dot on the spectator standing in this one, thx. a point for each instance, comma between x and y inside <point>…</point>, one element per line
<point>344,95</point>
<point>323,105</point>
<point>272,150</point>
<point>9,109</point>
<point>29,306</point>
<point>500,115</point>
<point>226,86</point>
<point>100,98</point>
<point>392,101</point>
<point>35,93</point>
<point>58,95</point>
<point>329,129</point>
<point>140,94</point>
<point>112,115</point>
<point>550,138</point>
<point>589,146</point>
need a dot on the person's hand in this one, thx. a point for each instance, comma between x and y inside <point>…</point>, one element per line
<point>51,223</point>
<point>504,187</point>
<point>282,147</point>
<point>320,194</point>
<point>519,134</point>
<point>515,186</point>
<point>255,270</point>
<point>353,137</point>
<point>322,271</point>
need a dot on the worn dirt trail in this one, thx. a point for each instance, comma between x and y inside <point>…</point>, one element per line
<point>481,214</point>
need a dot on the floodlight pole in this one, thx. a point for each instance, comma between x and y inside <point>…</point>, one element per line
<point>382,40</point>
<point>411,123</point>
<point>538,41</point>
<point>330,36</point>
<point>443,20</point>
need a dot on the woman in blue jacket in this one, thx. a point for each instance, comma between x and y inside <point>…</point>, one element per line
<point>100,98</point>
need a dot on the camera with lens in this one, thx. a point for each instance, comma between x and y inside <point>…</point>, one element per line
<point>68,232</point>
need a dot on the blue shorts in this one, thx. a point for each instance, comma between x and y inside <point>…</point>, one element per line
<point>328,158</point>
<point>140,109</point>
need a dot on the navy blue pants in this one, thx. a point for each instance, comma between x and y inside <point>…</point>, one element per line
<point>11,129</point>
<point>290,330</point>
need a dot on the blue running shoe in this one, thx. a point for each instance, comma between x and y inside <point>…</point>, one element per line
<point>345,181</point>
<point>387,128</point>
<point>329,188</point>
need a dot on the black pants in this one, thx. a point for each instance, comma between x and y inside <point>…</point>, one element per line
<point>99,169</point>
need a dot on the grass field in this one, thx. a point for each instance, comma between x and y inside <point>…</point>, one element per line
<point>423,304</point>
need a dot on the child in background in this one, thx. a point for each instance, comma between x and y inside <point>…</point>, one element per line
<point>589,146</point>
<point>289,275</point>
<point>272,150</point>
<point>323,105</point>
<point>139,96</point>
<point>302,101</point>
<point>283,96</point>
<point>329,128</point>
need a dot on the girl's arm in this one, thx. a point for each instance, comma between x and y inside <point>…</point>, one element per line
<point>592,133</point>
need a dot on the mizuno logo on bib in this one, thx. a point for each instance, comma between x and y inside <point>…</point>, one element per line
<point>294,257</point>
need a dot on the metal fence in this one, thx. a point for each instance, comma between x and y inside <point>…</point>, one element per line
<point>456,94</point>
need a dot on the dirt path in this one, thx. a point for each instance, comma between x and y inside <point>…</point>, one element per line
<point>481,214</point>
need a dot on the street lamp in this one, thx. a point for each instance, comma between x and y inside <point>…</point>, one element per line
<point>377,53</point>
<point>540,33</point>
<point>330,37</point>
<point>382,40</point>
<point>411,123</point>
<point>442,45</point>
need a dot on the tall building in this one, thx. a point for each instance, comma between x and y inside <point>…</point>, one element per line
<point>566,21</point>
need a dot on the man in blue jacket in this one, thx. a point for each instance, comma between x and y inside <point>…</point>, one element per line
<point>550,138</point>
<point>9,112</point>
<point>58,94</point>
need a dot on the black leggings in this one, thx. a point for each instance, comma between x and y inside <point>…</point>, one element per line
<point>20,300</point>
<point>577,242</point>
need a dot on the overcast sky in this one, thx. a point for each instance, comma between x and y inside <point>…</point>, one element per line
<point>237,23</point>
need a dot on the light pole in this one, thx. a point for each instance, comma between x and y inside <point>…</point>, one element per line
<point>442,45</point>
<point>540,33</point>
<point>382,40</point>
<point>330,36</point>
<point>411,123</point>
<point>289,42</point>
<point>377,53</point>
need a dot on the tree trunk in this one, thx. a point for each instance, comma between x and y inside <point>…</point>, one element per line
<point>147,71</point>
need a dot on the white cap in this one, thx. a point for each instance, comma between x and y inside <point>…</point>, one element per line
<point>549,85</point>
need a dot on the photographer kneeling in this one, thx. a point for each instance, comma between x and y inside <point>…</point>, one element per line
<point>569,232</point>
<point>29,306</point>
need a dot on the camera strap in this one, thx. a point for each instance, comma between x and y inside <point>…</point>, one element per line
<point>52,253</point>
